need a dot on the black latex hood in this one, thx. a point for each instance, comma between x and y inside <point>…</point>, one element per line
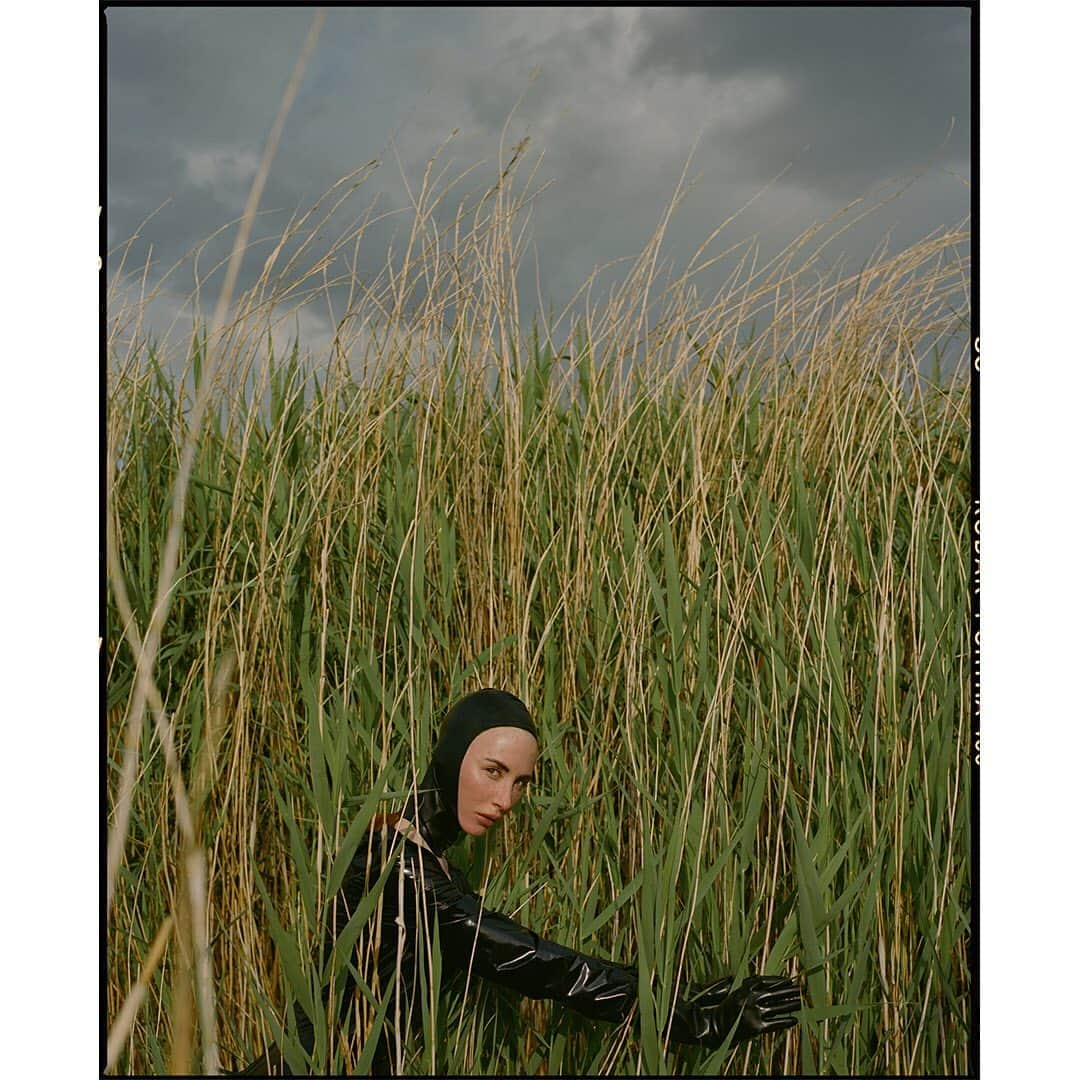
<point>434,807</point>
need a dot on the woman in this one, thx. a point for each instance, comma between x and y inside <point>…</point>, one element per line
<point>484,758</point>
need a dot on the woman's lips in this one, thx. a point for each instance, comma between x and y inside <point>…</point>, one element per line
<point>486,819</point>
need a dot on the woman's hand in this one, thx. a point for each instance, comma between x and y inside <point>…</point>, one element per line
<point>762,1004</point>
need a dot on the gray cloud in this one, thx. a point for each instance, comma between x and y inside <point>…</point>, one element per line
<point>871,91</point>
<point>614,98</point>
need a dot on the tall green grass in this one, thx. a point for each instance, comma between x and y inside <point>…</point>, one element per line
<point>726,569</point>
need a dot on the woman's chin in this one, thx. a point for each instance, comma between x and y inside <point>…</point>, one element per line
<point>475,825</point>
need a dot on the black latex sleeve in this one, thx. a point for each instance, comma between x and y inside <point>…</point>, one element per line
<point>494,947</point>
<point>472,940</point>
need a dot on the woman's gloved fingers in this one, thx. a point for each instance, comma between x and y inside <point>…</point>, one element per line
<point>778,1023</point>
<point>782,1005</point>
<point>785,996</point>
<point>774,1013</point>
<point>789,1005</point>
<point>790,990</point>
<point>776,992</point>
<point>770,982</point>
<point>758,986</point>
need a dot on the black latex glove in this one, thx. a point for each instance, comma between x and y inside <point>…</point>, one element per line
<point>762,1004</point>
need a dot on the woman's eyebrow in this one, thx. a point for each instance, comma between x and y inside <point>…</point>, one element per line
<point>496,761</point>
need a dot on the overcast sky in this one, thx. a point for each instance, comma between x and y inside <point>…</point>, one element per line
<point>851,98</point>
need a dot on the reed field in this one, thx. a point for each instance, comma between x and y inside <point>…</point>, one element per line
<point>717,542</point>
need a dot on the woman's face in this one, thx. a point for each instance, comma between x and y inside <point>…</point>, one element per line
<point>494,772</point>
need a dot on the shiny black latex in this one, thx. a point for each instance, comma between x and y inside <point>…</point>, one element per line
<point>473,941</point>
<point>762,1005</point>
<point>496,948</point>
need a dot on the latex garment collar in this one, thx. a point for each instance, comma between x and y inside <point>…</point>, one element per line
<point>438,823</point>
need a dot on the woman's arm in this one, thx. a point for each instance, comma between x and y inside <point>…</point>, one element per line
<point>497,948</point>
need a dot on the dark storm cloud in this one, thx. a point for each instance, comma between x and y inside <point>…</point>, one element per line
<point>872,91</point>
<point>614,98</point>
